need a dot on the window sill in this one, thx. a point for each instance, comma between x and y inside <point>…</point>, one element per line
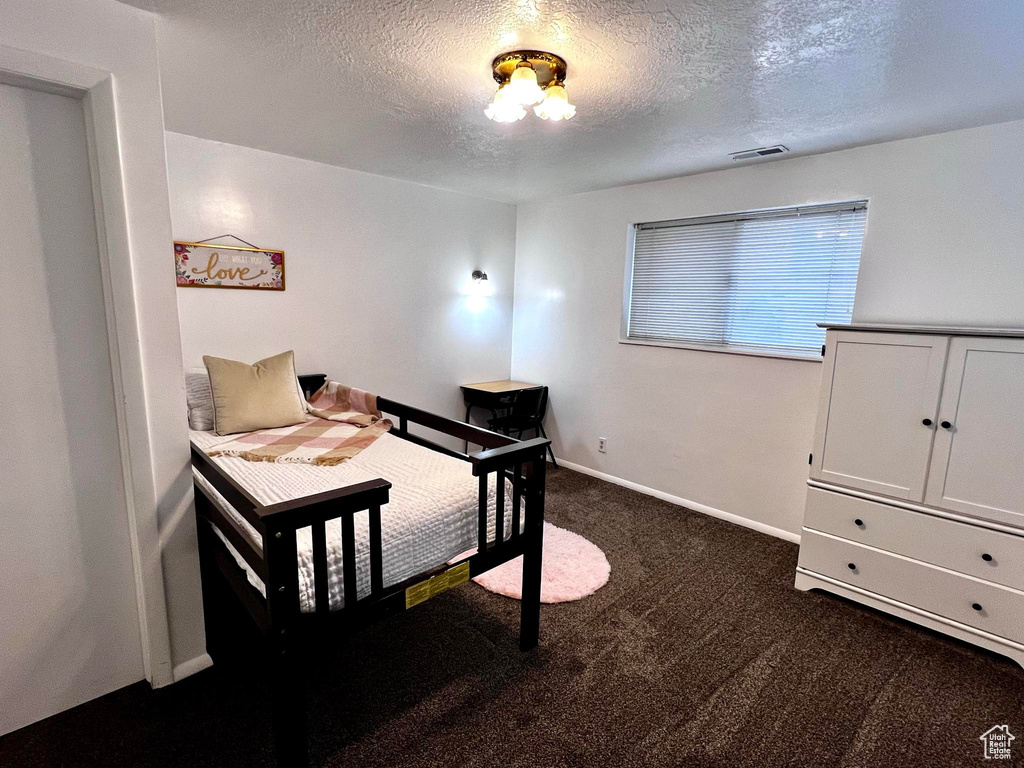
<point>809,357</point>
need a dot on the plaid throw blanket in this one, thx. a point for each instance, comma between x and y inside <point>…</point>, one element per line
<point>337,402</point>
<point>326,440</point>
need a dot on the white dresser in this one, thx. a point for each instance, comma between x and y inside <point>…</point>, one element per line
<point>915,502</point>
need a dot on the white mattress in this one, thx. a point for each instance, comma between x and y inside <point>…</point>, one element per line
<point>431,516</point>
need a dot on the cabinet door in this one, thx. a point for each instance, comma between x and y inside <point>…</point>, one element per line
<point>978,461</point>
<point>877,390</point>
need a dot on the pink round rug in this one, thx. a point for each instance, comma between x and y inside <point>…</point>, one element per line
<point>573,568</point>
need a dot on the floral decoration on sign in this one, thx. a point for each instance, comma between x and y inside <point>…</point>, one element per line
<point>210,265</point>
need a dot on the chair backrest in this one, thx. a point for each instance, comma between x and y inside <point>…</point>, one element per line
<point>531,402</point>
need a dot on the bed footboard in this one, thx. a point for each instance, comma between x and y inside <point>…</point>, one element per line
<point>526,468</point>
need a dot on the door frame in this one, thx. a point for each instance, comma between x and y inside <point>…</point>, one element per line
<point>96,89</point>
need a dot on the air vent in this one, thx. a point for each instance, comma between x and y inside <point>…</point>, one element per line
<point>749,154</point>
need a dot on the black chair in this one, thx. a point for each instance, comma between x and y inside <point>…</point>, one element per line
<point>527,412</point>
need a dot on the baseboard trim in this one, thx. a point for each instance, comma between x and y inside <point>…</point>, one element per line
<point>192,666</point>
<point>704,509</point>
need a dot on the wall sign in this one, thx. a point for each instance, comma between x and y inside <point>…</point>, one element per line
<point>209,265</point>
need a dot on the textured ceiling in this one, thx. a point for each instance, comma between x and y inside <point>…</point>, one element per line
<point>398,87</point>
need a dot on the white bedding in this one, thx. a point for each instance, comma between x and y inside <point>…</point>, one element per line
<point>431,516</point>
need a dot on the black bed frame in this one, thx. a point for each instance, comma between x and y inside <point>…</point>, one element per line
<point>285,632</point>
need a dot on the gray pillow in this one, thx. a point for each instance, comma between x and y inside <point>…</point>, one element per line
<point>199,398</point>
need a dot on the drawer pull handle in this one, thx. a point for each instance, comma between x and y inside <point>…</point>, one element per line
<point>976,606</point>
<point>987,557</point>
<point>852,566</point>
<point>859,523</point>
<point>946,425</point>
<point>926,422</point>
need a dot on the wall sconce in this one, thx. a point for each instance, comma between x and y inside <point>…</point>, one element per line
<point>480,290</point>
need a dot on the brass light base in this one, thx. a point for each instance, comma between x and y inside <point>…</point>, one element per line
<point>549,68</point>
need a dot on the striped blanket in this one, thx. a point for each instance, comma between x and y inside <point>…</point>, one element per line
<point>345,422</point>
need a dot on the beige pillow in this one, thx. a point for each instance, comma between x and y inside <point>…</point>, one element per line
<point>257,396</point>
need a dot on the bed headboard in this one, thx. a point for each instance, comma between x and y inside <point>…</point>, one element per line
<point>311,382</point>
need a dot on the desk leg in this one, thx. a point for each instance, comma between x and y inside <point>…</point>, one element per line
<point>550,449</point>
<point>469,409</point>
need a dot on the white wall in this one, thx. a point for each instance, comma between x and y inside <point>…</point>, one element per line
<point>732,432</point>
<point>377,272</point>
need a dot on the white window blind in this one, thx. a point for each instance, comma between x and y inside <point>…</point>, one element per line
<point>758,280</point>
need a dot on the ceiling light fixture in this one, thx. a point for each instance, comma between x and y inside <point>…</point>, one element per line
<point>556,105</point>
<point>503,109</point>
<point>529,78</point>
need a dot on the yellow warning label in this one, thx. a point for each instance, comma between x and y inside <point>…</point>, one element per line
<point>435,585</point>
<point>458,575</point>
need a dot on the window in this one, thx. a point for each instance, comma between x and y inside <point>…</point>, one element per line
<point>757,281</point>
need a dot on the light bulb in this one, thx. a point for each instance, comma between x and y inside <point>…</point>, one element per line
<point>481,285</point>
<point>556,105</point>
<point>479,290</point>
<point>523,88</point>
<point>503,109</point>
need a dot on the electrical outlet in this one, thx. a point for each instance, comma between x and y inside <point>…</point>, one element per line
<point>602,444</point>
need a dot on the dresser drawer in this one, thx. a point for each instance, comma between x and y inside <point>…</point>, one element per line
<point>962,547</point>
<point>979,604</point>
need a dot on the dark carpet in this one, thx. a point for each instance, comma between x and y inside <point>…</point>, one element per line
<point>698,652</point>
